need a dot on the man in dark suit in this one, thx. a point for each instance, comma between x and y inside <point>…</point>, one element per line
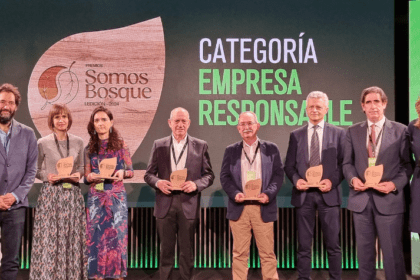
<point>18,158</point>
<point>378,211</point>
<point>314,144</point>
<point>246,160</point>
<point>176,211</point>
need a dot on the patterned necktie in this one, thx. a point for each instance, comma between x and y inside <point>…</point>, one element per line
<point>314,159</point>
<point>373,136</point>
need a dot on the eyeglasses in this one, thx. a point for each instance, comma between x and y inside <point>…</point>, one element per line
<point>246,123</point>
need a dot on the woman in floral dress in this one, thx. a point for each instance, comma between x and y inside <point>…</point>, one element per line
<point>107,233</point>
<point>59,241</point>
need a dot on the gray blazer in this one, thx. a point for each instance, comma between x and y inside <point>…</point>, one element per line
<point>393,154</point>
<point>199,171</point>
<point>18,168</point>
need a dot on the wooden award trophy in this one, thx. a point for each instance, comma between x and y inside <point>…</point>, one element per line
<point>106,169</point>
<point>64,167</point>
<point>313,176</point>
<point>178,178</point>
<point>252,189</point>
<point>373,175</point>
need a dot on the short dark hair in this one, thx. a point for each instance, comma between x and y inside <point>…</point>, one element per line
<point>12,89</point>
<point>368,90</point>
<point>56,110</point>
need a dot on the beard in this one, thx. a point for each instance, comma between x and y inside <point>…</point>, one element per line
<point>6,119</point>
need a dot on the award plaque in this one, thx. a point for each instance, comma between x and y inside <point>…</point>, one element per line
<point>64,167</point>
<point>373,175</point>
<point>106,169</point>
<point>178,178</point>
<point>252,189</point>
<point>313,176</point>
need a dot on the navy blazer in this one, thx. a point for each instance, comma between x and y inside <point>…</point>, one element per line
<point>393,154</point>
<point>272,178</point>
<point>20,164</point>
<point>199,171</point>
<point>297,162</point>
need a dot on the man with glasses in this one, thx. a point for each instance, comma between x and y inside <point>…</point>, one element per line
<point>18,158</point>
<point>251,159</point>
<point>317,143</point>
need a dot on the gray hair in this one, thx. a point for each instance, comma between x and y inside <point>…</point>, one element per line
<point>176,109</point>
<point>319,95</point>
<point>250,112</point>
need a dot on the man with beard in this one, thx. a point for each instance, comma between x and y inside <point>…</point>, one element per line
<point>18,158</point>
<point>246,160</point>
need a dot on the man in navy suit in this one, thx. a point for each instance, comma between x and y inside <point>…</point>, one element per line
<point>18,158</point>
<point>317,143</point>
<point>177,211</point>
<point>252,158</point>
<point>378,211</point>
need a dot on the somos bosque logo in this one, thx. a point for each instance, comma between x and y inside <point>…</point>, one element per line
<point>58,84</point>
<point>122,69</point>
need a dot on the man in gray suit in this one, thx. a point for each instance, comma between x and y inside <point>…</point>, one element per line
<point>311,145</point>
<point>378,211</point>
<point>18,157</point>
<point>176,211</point>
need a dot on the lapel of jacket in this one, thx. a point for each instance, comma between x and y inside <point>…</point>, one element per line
<point>238,154</point>
<point>189,160</point>
<point>305,144</point>
<point>361,142</point>
<point>386,139</point>
<point>325,135</point>
<point>168,154</point>
<point>13,138</point>
<point>264,159</point>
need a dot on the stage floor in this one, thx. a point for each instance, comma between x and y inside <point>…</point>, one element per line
<point>225,274</point>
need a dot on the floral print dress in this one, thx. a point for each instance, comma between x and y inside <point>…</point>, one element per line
<point>107,233</point>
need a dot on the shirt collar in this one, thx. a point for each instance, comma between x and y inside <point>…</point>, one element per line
<point>255,144</point>
<point>320,125</point>
<point>379,124</point>
<point>182,142</point>
<point>9,132</point>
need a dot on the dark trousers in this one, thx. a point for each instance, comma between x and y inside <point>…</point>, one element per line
<point>11,223</point>
<point>368,225</point>
<point>330,225</point>
<point>175,227</point>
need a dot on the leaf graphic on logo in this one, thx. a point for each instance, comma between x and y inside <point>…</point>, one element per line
<point>47,85</point>
<point>68,85</point>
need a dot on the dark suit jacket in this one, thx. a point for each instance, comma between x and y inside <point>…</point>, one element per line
<point>199,171</point>
<point>18,167</point>
<point>393,154</point>
<point>414,138</point>
<point>272,178</point>
<point>297,162</point>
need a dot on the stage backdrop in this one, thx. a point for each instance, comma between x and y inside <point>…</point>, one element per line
<point>214,58</point>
